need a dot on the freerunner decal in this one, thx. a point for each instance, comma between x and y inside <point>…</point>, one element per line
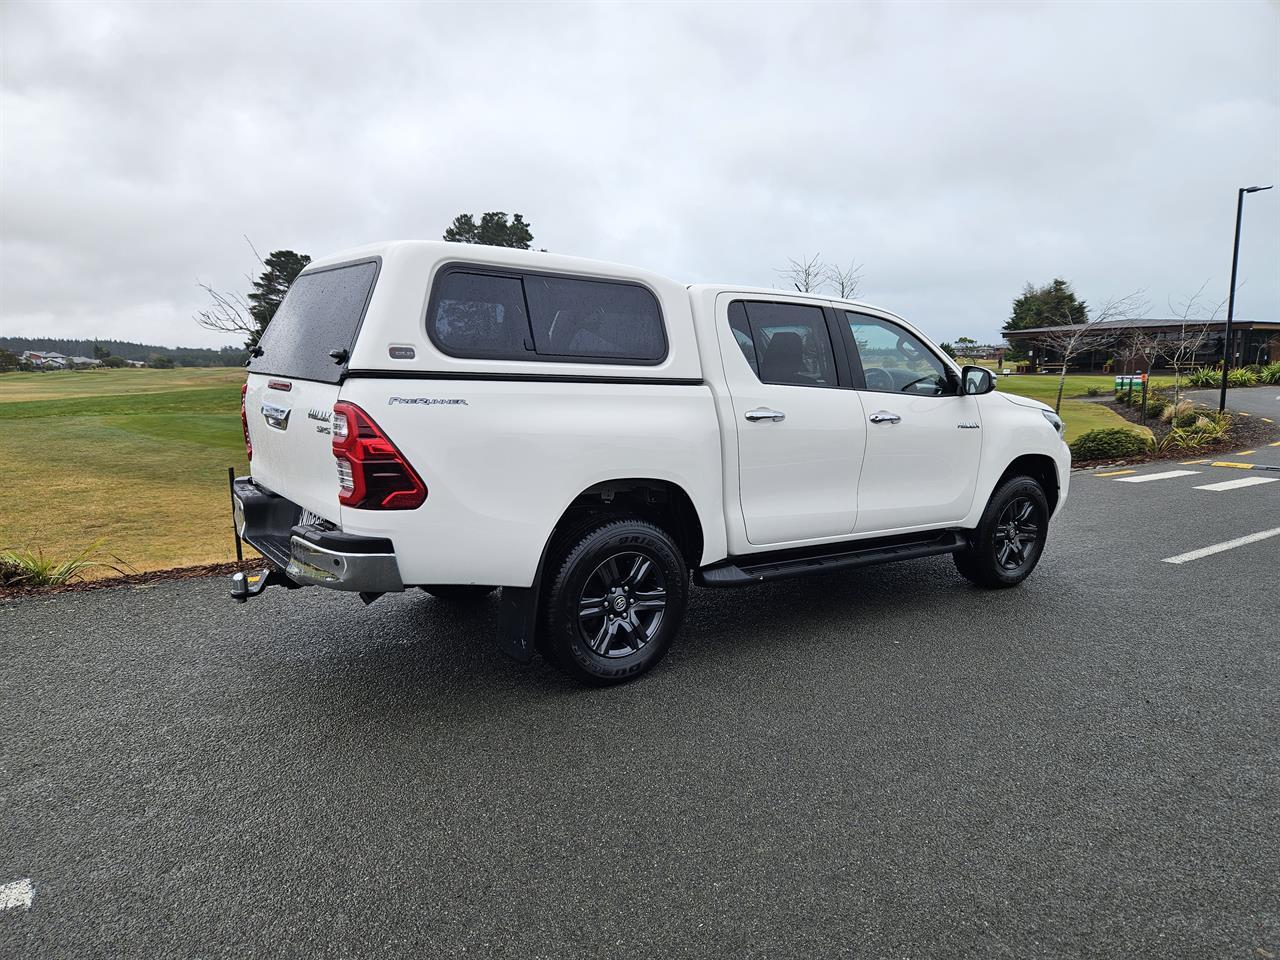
<point>426,401</point>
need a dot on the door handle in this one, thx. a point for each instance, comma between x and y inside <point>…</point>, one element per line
<point>884,416</point>
<point>764,413</point>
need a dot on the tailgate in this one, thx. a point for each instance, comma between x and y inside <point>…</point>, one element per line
<point>293,382</point>
<point>292,450</point>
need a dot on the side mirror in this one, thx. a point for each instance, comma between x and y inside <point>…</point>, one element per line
<point>976,380</point>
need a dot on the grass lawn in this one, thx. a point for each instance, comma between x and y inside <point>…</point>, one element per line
<point>135,458</point>
<point>138,458</point>
<point>1080,416</point>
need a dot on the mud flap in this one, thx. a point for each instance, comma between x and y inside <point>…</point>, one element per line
<point>517,622</point>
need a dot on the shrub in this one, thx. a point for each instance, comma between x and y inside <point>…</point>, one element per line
<point>1270,373</point>
<point>1097,391</point>
<point>30,568</point>
<point>1241,377</point>
<point>1180,412</point>
<point>1201,430</point>
<point>1205,377</point>
<point>1108,443</point>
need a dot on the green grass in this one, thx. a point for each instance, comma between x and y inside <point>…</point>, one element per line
<point>1080,416</point>
<point>99,383</point>
<point>136,459</point>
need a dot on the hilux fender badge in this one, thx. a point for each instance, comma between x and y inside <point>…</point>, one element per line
<point>427,401</point>
<point>967,425</point>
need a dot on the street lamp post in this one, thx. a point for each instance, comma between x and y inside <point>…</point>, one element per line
<point>1231,295</point>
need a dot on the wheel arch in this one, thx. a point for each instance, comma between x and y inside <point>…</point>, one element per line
<point>664,503</point>
<point>1039,467</point>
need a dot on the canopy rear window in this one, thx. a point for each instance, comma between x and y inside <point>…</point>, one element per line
<point>534,316</point>
<point>321,313</point>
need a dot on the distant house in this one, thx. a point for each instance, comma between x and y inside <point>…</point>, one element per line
<point>136,363</point>
<point>83,362</point>
<point>45,359</point>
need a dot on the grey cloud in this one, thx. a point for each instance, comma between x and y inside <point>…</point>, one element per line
<point>957,151</point>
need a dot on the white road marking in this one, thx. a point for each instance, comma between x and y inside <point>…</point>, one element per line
<point>1157,476</point>
<point>1220,547</point>
<point>1237,484</point>
<point>20,893</point>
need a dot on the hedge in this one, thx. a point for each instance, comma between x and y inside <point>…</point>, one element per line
<point>1108,443</point>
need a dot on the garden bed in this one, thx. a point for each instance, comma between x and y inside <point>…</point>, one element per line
<point>134,579</point>
<point>1243,434</point>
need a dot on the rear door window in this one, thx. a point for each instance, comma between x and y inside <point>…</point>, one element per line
<point>321,313</point>
<point>531,316</point>
<point>785,343</point>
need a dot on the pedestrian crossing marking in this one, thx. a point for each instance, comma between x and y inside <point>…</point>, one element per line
<point>1167,475</point>
<point>1237,484</point>
<point>1115,473</point>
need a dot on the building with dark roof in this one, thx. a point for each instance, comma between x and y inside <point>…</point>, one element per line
<point>1129,345</point>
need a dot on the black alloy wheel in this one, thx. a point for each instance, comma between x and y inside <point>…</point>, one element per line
<point>1017,534</point>
<point>1010,537</point>
<point>614,599</point>
<point>621,605</point>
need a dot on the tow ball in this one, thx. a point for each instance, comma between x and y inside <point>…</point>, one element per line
<point>246,585</point>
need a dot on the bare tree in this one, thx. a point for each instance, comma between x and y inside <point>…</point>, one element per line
<point>1107,325</point>
<point>844,281</point>
<point>229,312</point>
<point>1179,349</point>
<point>808,274</point>
<point>226,313</point>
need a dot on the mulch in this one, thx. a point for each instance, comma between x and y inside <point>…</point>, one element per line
<point>134,579</point>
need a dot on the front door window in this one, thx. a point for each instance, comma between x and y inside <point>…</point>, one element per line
<point>895,360</point>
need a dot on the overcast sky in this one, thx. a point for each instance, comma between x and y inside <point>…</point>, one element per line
<point>957,151</point>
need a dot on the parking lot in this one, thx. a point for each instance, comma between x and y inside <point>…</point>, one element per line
<point>883,763</point>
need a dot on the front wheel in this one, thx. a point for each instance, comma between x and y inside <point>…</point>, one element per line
<point>615,602</point>
<point>1009,540</point>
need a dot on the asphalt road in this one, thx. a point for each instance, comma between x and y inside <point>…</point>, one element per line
<point>1255,401</point>
<point>884,763</point>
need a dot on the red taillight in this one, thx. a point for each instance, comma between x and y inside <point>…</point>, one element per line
<point>372,473</point>
<point>244,423</point>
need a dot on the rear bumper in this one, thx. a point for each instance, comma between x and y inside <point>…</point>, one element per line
<point>312,554</point>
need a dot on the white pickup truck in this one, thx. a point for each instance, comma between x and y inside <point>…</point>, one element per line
<point>586,436</point>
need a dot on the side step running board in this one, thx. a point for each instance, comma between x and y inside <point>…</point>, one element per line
<point>740,571</point>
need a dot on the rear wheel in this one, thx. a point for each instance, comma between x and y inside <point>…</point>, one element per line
<point>1010,538</point>
<point>460,593</point>
<point>615,602</point>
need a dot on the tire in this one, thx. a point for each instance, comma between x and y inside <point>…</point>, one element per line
<point>615,601</point>
<point>460,593</point>
<point>1010,538</point>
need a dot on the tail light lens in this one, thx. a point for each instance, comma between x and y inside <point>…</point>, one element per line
<point>244,422</point>
<point>372,473</point>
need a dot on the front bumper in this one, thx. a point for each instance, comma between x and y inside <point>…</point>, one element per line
<point>314,553</point>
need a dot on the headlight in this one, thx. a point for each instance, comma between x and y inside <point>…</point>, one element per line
<point>1054,420</point>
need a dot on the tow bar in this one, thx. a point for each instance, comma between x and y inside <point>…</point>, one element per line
<point>246,585</point>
